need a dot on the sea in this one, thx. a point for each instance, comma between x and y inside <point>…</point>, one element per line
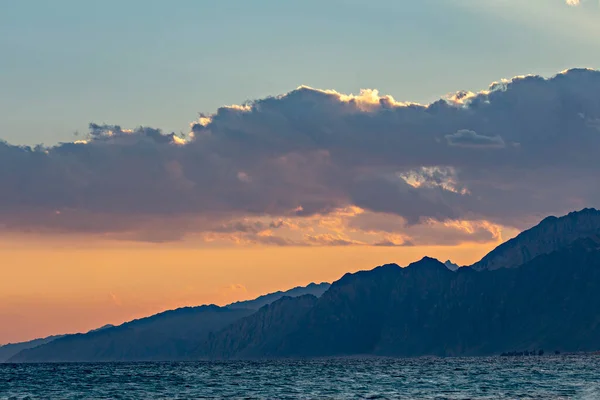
<point>533,377</point>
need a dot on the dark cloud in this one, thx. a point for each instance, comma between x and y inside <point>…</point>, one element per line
<point>523,149</point>
<point>467,138</point>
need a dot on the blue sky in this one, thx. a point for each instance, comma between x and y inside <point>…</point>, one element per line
<point>66,63</point>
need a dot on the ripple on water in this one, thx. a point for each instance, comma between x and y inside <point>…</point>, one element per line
<point>572,377</point>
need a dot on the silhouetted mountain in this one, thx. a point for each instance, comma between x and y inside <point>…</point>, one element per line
<point>10,349</point>
<point>170,335</point>
<point>254,337</point>
<point>550,302</point>
<point>102,327</point>
<point>313,288</point>
<point>451,266</point>
<point>549,235</point>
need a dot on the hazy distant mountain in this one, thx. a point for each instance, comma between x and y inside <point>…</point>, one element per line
<point>171,335</point>
<point>551,302</point>
<point>10,349</point>
<point>313,289</point>
<point>549,235</point>
<point>451,266</point>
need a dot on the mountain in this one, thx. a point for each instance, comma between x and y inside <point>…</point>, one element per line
<point>541,290</point>
<point>549,235</point>
<point>171,335</point>
<point>451,266</point>
<point>313,289</point>
<point>10,349</point>
<point>107,326</point>
<point>346,320</point>
<point>252,337</point>
<point>550,302</point>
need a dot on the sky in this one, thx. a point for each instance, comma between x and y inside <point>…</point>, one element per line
<point>157,154</point>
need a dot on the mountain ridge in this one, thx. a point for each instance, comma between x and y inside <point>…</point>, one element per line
<point>426,308</point>
<point>8,350</point>
<point>316,289</point>
<point>549,235</point>
<point>73,347</point>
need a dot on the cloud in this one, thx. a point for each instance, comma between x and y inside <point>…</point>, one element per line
<point>467,138</point>
<point>116,299</point>
<point>354,226</point>
<point>509,155</point>
<point>234,289</point>
<point>576,3</point>
<point>384,228</point>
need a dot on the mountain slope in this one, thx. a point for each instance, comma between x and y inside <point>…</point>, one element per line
<point>451,266</point>
<point>171,335</point>
<point>313,289</point>
<point>166,336</point>
<point>253,336</point>
<point>550,302</point>
<point>549,235</point>
<point>10,349</point>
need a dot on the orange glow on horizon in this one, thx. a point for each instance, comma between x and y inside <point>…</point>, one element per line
<point>50,289</point>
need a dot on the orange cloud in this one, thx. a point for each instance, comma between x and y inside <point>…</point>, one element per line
<point>115,299</point>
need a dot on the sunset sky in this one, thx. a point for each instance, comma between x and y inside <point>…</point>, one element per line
<point>157,155</point>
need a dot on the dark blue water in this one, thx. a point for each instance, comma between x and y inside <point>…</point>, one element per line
<point>568,377</point>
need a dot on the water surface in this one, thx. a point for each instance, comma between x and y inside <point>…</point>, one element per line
<point>555,377</point>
